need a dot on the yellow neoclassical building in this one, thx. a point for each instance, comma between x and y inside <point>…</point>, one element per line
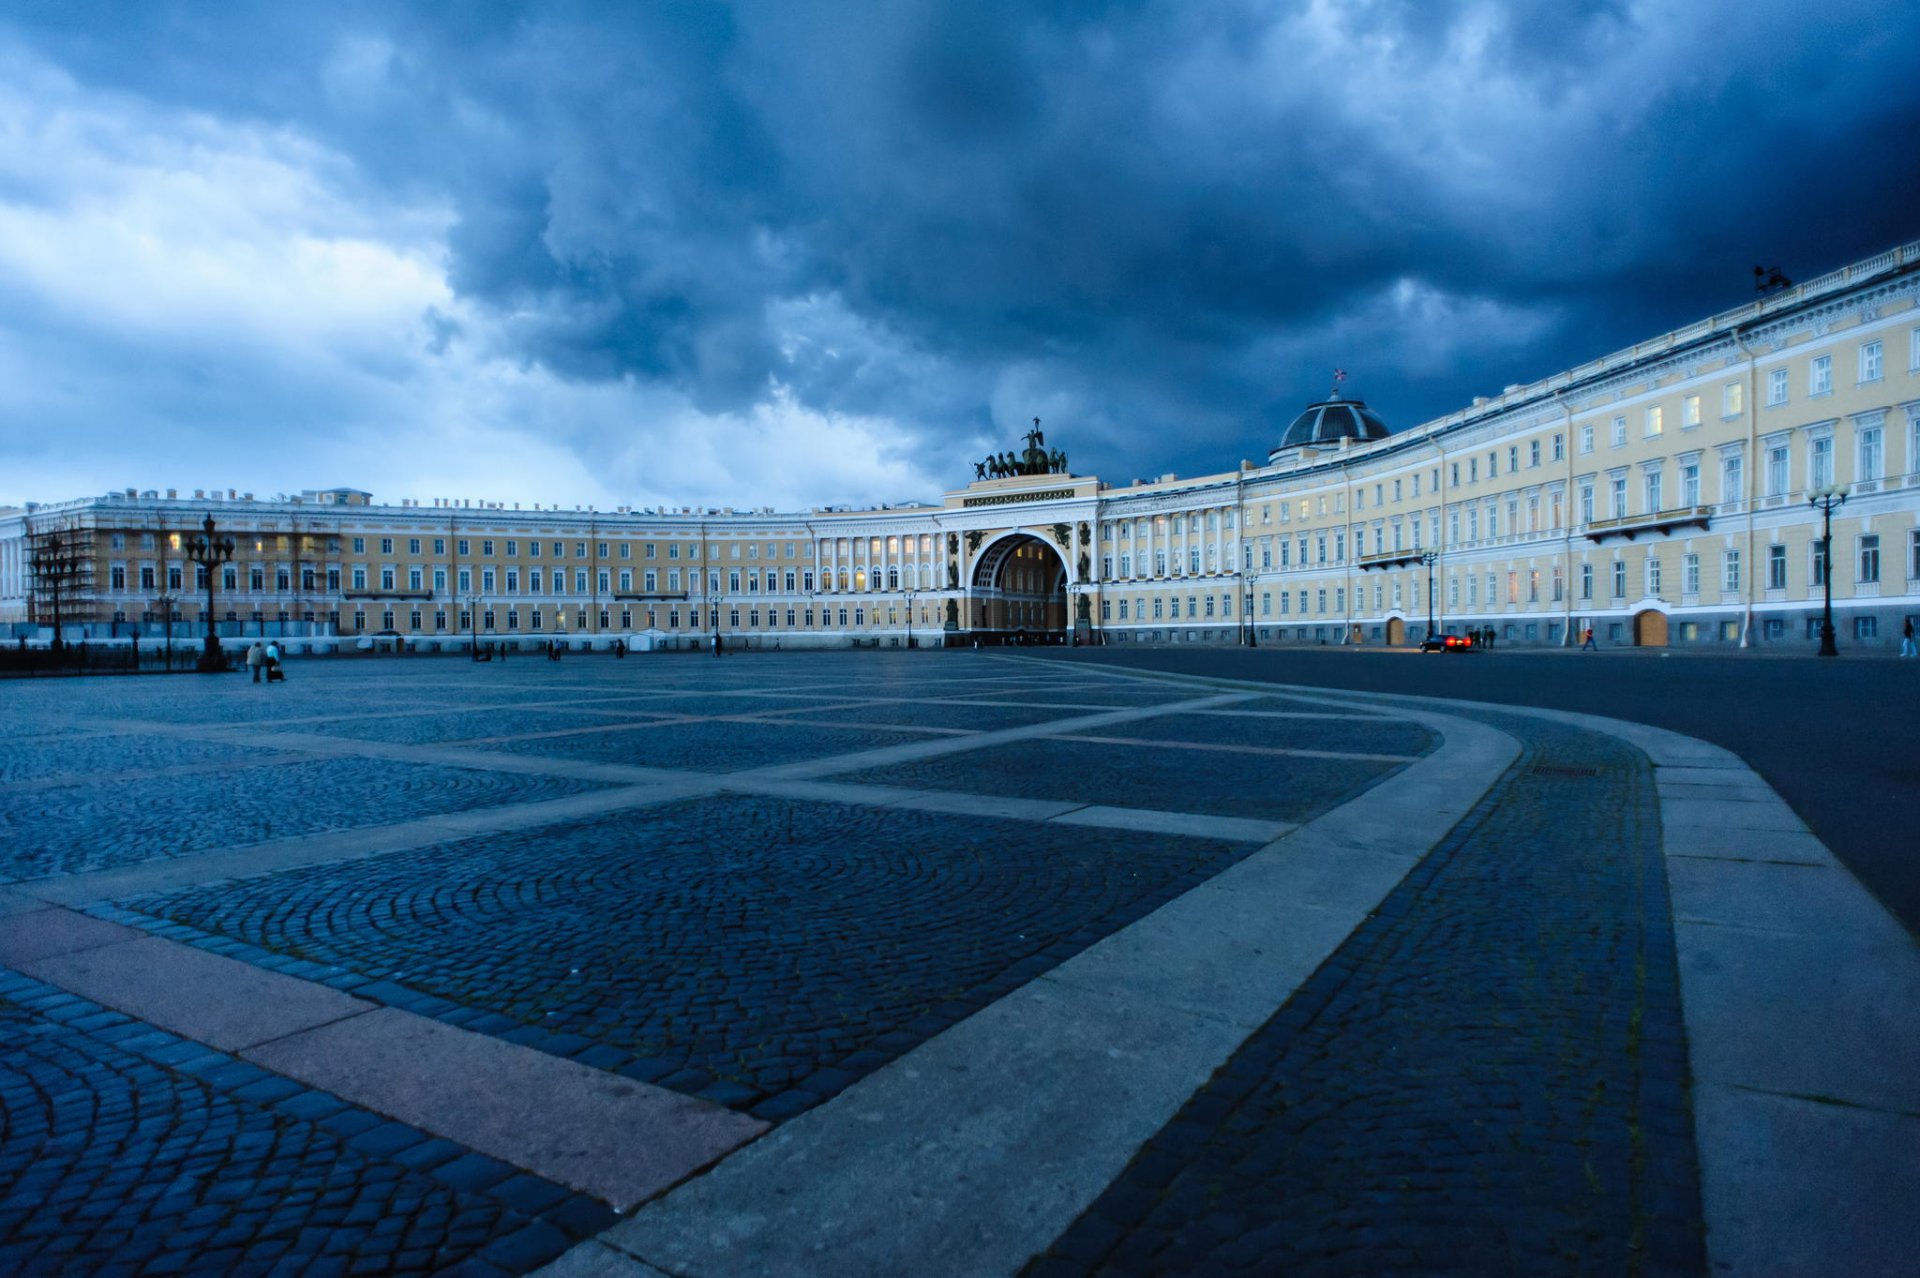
<point>1660,495</point>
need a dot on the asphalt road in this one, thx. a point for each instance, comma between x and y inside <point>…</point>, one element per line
<point>1838,738</point>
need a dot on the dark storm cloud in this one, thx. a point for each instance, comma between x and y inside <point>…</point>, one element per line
<point>1165,221</point>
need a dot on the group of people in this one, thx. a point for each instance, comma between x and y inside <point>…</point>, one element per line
<point>265,656</point>
<point>1481,636</point>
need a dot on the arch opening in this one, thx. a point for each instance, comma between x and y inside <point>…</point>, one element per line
<point>1018,593</point>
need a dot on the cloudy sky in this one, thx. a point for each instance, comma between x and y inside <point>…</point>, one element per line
<point>797,253</point>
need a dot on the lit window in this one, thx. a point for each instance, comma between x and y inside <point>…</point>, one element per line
<point>1690,411</point>
<point>1732,398</point>
<point>1656,420</point>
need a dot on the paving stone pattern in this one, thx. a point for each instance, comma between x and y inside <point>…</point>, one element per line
<point>704,746</point>
<point>467,725</point>
<point>38,758</point>
<point>1267,787</point>
<point>972,717</point>
<point>67,829</point>
<point>761,953</point>
<point>126,1150</point>
<point>1362,736</point>
<point>1488,1078</point>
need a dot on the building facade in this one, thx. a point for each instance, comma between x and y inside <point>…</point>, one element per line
<point>1659,495</point>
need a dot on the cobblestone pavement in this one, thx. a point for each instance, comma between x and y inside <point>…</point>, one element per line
<point>761,953</point>
<point>38,758</point>
<point>82,826</point>
<point>1489,1077</point>
<point>125,1149</point>
<point>704,746</point>
<point>1267,786</point>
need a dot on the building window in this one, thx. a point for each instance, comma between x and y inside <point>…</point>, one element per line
<point>1690,411</point>
<point>1870,453</point>
<point>1653,479</point>
<point>1690,484</point>
<point>1732,399</point>
<point>1820,375</point>
<point>1866,627</point>
<point>1656,420</point>
<point>1732,580</point>
<point>1732,473</point>
<point>1776,387</point>
<point>1619,439</point>
<point>1820,463</point>
<point>1618,509</point>
<point>1690,574</point>
<point>1619,579</point>
<point>1586,439</point>
<point>1776,567</point>
<point>1870,362</point>
<point>1586,581</point>
<point>1777,470</point>
<point>1653,576</point>
<point>1913,555</point>
<point>1869,558</point>
<point>1817,576</point>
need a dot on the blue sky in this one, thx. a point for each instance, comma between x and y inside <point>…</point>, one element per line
<point>799,253</point>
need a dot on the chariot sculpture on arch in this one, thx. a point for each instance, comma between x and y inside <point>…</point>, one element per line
<point>1035,459</point>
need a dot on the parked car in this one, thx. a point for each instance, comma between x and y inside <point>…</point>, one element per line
<point>1446,643</point>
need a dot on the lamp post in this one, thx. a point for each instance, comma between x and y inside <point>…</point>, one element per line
<point>1252,636</point>
<point>210,551</point>
<point>165,602</point>
<point>473,626</point>
<point>1824,500</point>
<point>908,596</point>
<point>1428,558</point>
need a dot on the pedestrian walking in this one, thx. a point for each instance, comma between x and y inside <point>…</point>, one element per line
<point>256,659</point>
<point>274,673</point>
<point>1588,641</point>
<point>1907,648</point>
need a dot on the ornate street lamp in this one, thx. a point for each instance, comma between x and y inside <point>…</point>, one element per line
<point>1824,500</point>
<point>165,602</point>
<point>1252,640</point>
<point>210,551</point>
<point>473,625</point>
<point>1428,559</point>
<point>908,595</point>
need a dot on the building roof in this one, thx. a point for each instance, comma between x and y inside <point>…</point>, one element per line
<point>1332,420</point>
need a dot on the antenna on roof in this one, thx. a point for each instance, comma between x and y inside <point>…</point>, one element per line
<point>1339,375</point>
<point>1768,279</point>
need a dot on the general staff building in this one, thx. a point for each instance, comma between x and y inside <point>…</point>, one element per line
<point>1661,495</point>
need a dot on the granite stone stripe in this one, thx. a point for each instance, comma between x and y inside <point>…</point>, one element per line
<point>250,860</point>
<point>1161,743</point>
<point>620,1140</point>
<point>213,1000</point>
<point>1000,1130</point>
<point>982,740</point>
